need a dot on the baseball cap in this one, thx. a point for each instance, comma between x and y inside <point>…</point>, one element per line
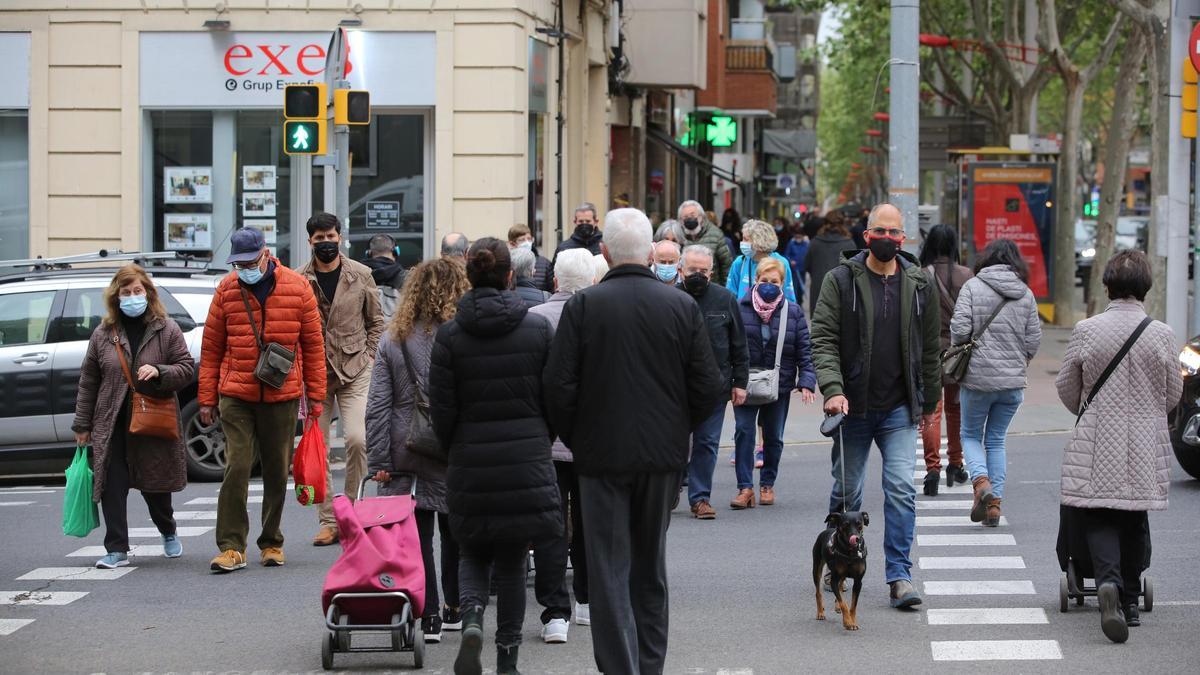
<point>245,245</point>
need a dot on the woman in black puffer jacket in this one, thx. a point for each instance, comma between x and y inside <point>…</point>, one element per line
<point>485,391</point>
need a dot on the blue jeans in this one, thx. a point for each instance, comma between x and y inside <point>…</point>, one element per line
<point>985,419</point>
<point>705,440</point>
<point>770,417</point>
<point>896,436</point>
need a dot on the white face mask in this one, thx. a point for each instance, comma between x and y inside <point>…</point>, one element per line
<point>525,244</point>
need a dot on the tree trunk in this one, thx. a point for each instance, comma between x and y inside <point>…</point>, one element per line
<point>1068,200</point>
<point>1160,161</point>
<point>1116,155</point>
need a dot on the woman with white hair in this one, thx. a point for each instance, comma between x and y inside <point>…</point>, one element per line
<point>524,261</point>
<point>600,266</point>
<point>759,241</point>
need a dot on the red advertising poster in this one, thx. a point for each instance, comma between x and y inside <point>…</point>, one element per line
<point>1015,201</point>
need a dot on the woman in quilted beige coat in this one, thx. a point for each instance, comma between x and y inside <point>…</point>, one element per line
<point>1117,465</point>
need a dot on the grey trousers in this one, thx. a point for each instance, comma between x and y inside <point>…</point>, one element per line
<point>625,526</point>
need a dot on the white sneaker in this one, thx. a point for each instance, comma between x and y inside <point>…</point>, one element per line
<point>555,632</point>
<point>583,614</point>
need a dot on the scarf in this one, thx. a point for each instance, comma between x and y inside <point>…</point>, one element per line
<point>765,309</point>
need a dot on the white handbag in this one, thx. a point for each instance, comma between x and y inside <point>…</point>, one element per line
<point>763,386</point>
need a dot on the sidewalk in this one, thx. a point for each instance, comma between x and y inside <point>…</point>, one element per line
<point>1042,412</point>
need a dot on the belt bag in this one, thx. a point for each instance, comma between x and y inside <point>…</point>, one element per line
<point>275,361</point>
<point>763,387</point>
<point>149,415</point>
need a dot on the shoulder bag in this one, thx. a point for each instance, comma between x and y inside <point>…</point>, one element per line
<point>957,359</point>
<point>149,415</point>
<point>421,438</point>
<point>1112,365</point>
<point>763,386</point>
<point>275,361</point>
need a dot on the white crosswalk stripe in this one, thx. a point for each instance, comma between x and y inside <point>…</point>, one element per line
<point>152,532</point>
<point>986,616</point>
<point>195,515</point>
<point>212,501</point>
<point>971,563</point>
<point>134,551</point>
<point>950,521</point>
<point>923,504</point>
<point>26,492</point>
<point>15,503</point>
<point>10,626</point>
<point>40,597</point>
<point>74,574</point>
<point>966,540</point>
<point>973,587</point>
<point>996,650</point>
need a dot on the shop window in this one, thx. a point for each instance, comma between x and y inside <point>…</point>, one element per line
<point>262,187</point>
<point>182,180</point>
<point>14,186</point>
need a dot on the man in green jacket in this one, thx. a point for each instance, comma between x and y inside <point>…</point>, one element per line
<point>876,343</point>
<point>698,231</point>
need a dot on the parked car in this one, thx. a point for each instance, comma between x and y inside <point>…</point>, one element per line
<point>1132,232</point>
<point>46,319</point>
<point>1185,421</point>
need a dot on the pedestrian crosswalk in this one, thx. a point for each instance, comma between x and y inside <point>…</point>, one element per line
<point>967,602</point>
<point>40,597</point>
<point>74,574</point>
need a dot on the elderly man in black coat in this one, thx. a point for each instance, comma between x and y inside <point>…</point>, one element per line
<point>631,373</point>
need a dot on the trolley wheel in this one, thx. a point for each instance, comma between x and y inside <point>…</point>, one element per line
<point>1148,594</point>
<point>418,646</point>
<point>1064,594</point>
<point>327,651</point>
<point>397,635</point>
<point>343,636</point>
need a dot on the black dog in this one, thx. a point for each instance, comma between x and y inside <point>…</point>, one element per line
<point>843,548</point>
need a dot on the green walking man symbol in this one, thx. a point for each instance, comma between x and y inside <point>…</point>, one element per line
<point>300,138</point>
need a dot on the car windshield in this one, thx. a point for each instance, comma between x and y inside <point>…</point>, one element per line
<point>1085,232</point>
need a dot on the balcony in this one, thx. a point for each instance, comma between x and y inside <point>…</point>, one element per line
<point>751,75</point>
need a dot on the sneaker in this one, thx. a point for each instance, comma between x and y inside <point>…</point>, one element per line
<point>273,557</point>
<point>432,627</point>
<point>758,458</point>
<point>172,547</point>
<point>113,560</point>
<point>555,632</point>
<point>702,510</point>
<point>228,561</point>
<point>583,614</point>
<point>451,619</point>
<point>1112,621</point>
<point>903,595</point>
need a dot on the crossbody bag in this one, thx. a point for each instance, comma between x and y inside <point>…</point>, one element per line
<point>957,359</point>
<point>421,438</point>
<point>149,415</point>
<point>275,361</point>
<point>763,386</point>
<point>1112,365</point>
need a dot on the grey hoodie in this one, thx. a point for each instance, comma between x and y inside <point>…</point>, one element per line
<point>1003,352</point>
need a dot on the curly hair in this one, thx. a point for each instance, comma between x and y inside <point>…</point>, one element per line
<point>762,236</point>
<point>112,295</point>
<point>430,295</point>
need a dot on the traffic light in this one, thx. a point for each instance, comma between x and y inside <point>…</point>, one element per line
<point>1187,121</point>
<point>351,106</point>
<point>304,127</point>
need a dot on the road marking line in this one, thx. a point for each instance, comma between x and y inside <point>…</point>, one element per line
<point>996,650</point>
<point>979,588</point>
<point>211,501</point>
<point>152,532</point>
<point>10,626</point>
<point>195,515</point>
<point>15,503</point>
<point>950,521</point>
<point>999,562</point>
<point>946,505</point>
<point>956,490</point>
<point>1177,603</point>
<point>966,540</point>
<point>40,597</point>
<point>42,488</point>
<point>28,492</point>
<point>74,574</point>
<point>992,616</point>
<point>135,550</point>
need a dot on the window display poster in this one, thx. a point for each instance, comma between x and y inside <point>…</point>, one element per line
<point>187,185</point>
<point>258,177</point>
<point>267,227</point>
<point>383,215</point>
<point>188,231</point>
<point>255,204</point>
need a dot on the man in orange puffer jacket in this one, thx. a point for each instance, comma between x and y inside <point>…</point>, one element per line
<point>257,418</point>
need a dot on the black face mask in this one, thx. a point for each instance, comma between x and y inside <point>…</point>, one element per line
<point>585,230</point>
<point>883,248</point>
<point>325,251</point>
<point>695,283</point>
<point>691,225</point>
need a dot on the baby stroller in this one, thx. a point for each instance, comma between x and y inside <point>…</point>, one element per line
<point>1075,560</point>
<point>378,583</point>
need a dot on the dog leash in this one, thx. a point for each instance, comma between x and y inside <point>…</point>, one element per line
<point>842,457</point>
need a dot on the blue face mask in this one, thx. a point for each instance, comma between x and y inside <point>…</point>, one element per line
<point>768,292</point>
<point>251,276</point>
<point>665,273</point>
<point>133,306</point>
<point>745,248</point>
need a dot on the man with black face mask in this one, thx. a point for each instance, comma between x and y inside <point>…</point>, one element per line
<point>587,234</point>
<point>723,319</point>
<point>352,322</point>
<point>698,230</point>
<point>876,343</point>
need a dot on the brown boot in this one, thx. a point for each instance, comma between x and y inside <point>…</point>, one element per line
<point>743,500</point>
<point>766,495</point>
<point>983,495</point>
<point>992,519</point>
<point>326,537</point>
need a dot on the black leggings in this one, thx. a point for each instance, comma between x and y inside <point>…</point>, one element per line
<point>115,497</point>
<point>449,560</point>
<point>506,563</point>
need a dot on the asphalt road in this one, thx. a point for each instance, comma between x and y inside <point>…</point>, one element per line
<point>741,592</point>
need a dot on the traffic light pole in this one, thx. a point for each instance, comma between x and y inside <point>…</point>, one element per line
<point>902,136</point>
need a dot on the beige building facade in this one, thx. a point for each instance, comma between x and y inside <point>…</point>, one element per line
<point>157,124</point>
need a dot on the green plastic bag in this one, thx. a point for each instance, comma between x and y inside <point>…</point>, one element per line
<point>79,511</point>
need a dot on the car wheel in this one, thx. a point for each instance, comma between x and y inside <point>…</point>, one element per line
<point>1188,455</point>
<point>204,446</point>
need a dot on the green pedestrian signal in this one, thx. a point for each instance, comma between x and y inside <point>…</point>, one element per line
<point>721,131</point>
<point>303,137</point>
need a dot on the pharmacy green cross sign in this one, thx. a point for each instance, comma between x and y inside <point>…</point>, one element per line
<point>722,131</point>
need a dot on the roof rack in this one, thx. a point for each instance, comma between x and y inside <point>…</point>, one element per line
<point>156,258</point>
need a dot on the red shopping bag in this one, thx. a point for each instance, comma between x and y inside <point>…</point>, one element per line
<point>309,465</point>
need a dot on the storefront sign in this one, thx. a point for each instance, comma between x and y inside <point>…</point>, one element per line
<point>539,81</point>
<point>383,215</point>
<point>14,76</point>
<point>250,70</point>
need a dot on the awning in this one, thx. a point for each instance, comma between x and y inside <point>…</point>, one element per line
<point>687,155</point>
<point>793,144</point>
